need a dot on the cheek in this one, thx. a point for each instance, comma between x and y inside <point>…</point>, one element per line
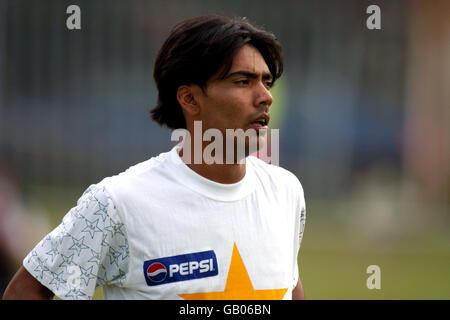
<point>235,104</point>
<point>226,108</point>
<point>231,113</point>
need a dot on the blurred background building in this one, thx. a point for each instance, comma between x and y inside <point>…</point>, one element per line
<point>363,115</point>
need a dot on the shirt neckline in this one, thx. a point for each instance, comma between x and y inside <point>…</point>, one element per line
<point>207,187</point>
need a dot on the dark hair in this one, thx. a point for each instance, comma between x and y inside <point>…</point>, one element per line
<point>198,48</point>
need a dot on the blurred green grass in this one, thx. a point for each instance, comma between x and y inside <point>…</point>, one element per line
<point>342,275</point>
<point>333,261</point>
<point>334,254</point>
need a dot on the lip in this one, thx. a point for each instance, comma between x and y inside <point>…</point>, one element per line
<point>256,125</point>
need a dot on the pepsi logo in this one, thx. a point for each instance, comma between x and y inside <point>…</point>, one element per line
<point>156,272</point>
<point>182,267</point>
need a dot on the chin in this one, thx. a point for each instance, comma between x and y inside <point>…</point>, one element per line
<point>247,142</point>
<point>255,144</point>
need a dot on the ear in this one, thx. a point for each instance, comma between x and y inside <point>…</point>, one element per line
<point>187,100</point>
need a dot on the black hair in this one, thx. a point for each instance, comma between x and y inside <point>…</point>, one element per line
<point>196,49</point>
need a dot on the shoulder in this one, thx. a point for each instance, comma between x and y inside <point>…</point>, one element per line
<point>148,171</point>
<point>275,174</point>
<point>129,186</point>
<point>140,169</point>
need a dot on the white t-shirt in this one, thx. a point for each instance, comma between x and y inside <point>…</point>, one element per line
<point>161,231</point>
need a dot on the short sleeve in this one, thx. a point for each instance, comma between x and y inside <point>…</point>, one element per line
<point>88,249</point>
<point>299,230</point>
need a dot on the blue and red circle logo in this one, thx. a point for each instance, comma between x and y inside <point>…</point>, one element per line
<point>156,272</point>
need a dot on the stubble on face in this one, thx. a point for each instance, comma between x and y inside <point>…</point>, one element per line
<point>234,101</point>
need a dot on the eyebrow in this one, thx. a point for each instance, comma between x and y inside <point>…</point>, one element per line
<point>248,74</point>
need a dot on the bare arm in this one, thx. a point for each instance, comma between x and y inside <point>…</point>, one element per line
<point>24,286</point>
<point>298,293</point>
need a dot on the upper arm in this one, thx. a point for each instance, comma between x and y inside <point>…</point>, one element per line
<point>24,286</point>
<point>88,249</point>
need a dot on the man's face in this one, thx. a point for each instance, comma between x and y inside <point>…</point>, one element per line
<point>242,99</point>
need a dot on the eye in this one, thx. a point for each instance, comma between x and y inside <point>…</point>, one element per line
<point>269,84</point>
<point>244,82</point>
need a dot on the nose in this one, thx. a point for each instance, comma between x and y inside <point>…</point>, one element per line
<point>263,96</point>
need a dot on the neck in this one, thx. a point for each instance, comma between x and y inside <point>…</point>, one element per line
<point>221,173</point>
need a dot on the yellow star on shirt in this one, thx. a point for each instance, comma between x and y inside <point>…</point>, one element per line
<point>238,286</point>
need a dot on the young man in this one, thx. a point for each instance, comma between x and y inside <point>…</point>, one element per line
<point>174,228</point>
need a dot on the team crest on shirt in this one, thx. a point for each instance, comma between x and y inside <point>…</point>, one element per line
<point>180,268</point>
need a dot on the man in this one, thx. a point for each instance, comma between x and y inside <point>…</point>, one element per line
<point>174,228</point>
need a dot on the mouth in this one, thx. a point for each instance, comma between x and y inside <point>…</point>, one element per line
<point>260,122</point>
